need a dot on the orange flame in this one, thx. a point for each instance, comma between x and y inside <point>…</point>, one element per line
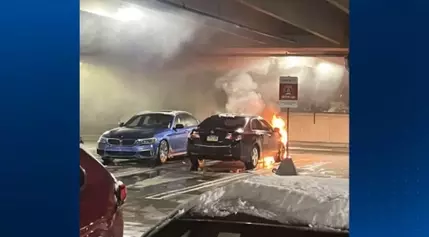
<point>278,122</point>
<point>269,161</point>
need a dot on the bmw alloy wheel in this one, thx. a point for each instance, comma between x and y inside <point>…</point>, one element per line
<point>255,156</point>
<point>163,151</point>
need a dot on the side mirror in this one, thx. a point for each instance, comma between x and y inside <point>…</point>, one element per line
<point>277,130</point>
<point>179,126</point>
<point>121,124</point>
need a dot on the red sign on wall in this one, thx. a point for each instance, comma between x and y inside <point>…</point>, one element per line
<point>288,92</point>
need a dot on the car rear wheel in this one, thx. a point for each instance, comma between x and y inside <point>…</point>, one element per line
<point>253,159</point>
<point>195,163</point>
<point>163,151</point>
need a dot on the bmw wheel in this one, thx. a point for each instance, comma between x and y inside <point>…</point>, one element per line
<point>254,158</point>
<point>163,151</point>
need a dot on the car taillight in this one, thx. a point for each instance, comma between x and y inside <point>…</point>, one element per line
<point>231,136</point>
<point>228,136</point>
<point>194,135</point>
<point>120,192</point>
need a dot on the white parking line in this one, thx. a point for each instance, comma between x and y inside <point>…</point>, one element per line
<point>311,149</point>
<point>133,172</point>
<point>172,193</point>
<point>159,180</point>
<point>314,166</point>
<point>193,186</point>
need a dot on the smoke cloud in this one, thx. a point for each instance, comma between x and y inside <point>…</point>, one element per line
<point>242,90</point>
<point>252,89</point>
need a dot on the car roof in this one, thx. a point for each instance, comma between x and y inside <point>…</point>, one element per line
<point>236,115</point>
<point>167,112</point>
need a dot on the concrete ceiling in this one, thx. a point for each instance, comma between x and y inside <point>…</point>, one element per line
<point>259,28</point>
<point>279,27</point>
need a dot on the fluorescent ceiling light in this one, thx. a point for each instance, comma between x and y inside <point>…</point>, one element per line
<point>324,68</point>
<point>117,10</point>
<point>295,61</point>
<point>128,14</point>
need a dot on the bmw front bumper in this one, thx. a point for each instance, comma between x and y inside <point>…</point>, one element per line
<point>149,151</point>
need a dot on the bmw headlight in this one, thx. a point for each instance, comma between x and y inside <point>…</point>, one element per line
<point>102,140</point>
<point>146,141</point>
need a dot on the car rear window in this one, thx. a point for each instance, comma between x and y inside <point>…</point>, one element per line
<point>223,122</point>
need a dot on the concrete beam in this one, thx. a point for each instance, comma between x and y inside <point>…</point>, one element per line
<point>277,52</point>
<point>234,17</point>
<point>227,16</point>
<point>343,5</point>
<point>316,17</point>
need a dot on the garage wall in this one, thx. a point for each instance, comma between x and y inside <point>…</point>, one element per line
<point>319,127</point>
<point>304,127</point>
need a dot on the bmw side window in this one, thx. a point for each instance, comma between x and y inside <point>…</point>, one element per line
<point>183,119</point>
<point>189,121</point>
<point>194,121</point>
<point>178,120</point>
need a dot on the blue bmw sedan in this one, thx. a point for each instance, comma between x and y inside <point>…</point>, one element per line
<point>153,136</point>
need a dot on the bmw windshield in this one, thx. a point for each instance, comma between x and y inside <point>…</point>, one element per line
<point>150,121</point>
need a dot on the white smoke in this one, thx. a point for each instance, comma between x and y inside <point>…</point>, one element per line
<point>251,89</point>
<point>141,30</point>
<point>242,90</point>
<point>242,93</point>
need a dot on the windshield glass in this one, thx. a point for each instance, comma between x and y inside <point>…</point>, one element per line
<point>223,122</point>
<point>150,121</point>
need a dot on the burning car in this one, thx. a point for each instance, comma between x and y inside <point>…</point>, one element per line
<point>235,137</point>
